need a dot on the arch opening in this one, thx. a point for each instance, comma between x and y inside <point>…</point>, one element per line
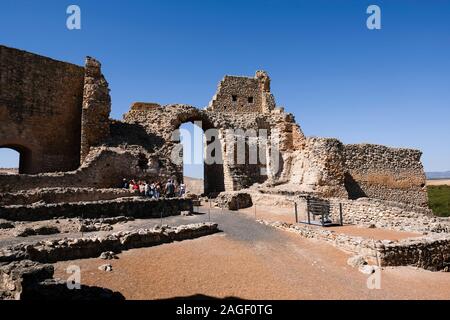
<point>202,174</point>
<point>14,159</point>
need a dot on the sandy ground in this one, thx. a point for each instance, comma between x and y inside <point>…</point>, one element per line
<point>251,261</point>
<point>438,182</point>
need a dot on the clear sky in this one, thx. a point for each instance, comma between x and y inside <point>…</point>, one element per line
<point>339,79</point>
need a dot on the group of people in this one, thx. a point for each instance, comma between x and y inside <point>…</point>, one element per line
<point>155,189</point>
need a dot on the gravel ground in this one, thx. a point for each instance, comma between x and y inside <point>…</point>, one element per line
<point>251,261</point>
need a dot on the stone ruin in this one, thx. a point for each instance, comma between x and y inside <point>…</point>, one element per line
<point>73,158</point>
<point>56,115</point>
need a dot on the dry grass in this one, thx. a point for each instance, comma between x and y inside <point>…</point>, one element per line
<point>438,182</point>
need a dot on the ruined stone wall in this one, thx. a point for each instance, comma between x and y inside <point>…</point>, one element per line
<point>40,110</point>
<point>103,168</point>
<point>389,215</point>
<point>431,252</point>
<point>385,173</point>
<point>243,94</point>
<point>159,123</point>
<point>59,195</point>
<point>317,166</point>
<point>95,125</point>
<point>137,207</point>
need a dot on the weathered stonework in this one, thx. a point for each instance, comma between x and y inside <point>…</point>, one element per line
<point>141,146</point>
<point>59,195</point>
<point>40,110</point>
<point>385,173</point>
<point>51,251</point>
<point>430,252</point>
<point>137,207</point>
<point>95,124</point>
<point>243,95</point>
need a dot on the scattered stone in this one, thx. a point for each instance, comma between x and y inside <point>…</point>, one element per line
<point>16,276</point>
<point>6,225</point>
<point>356,261</point>
<point>106,268</point>
<point>44,230</point>
<point>108,255</point>
<point>233,200</point>
<point>367,269</point>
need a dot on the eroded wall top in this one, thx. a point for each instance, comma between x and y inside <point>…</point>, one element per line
<point>243,94</point>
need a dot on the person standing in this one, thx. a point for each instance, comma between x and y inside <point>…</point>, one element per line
<point>125,184</point>
<point>170,189</point>
<point>182,189</point>
<point>157,190</point>
<point>146,189</point>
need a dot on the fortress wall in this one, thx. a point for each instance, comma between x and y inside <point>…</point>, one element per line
<point>104,168</point>
<point>40,110</point>
<point>385,173</point>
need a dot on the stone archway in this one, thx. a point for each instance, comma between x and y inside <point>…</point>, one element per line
<point>25,163</point>
<point>214,177</point>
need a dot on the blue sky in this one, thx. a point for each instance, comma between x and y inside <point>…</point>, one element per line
<point>339,79</point>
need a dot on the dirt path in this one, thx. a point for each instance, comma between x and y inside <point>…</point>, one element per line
<point>252,261</point>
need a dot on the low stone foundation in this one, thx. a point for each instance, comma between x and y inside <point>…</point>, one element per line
<point>59,195</point>
<point>51,251</point>
<point>388,215</point>
<point>431,252</point>
<point>135,207</point>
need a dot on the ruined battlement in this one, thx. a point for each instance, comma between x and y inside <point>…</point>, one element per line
<point>243,94</point>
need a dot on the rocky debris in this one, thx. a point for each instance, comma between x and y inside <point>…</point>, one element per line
<point>356,261</point>
<point>17,276</point>
<point>367,269</point>
<point>233,200</point>
<point>108,255</point>
<point>106,268</point>
<point>91,227</point>
<point>54,290</point>
<point>6,225</point>
<point>101,224</point>
<point>50,251</point>
<point>42,230</point>
<point>29,280</point>
<point>192,196</point>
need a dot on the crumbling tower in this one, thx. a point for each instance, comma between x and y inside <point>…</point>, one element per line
<point>243,95</point>
<point>95,125</point>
